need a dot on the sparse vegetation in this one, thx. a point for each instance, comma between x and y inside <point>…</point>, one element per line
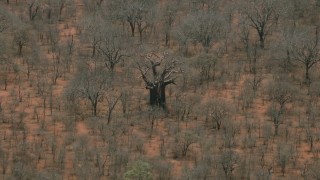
<point>159,89</point>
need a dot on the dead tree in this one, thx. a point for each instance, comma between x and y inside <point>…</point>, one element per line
<point>163,72</point>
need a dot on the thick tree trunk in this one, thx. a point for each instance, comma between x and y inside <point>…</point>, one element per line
<point>158,96</point>
<point>153,97</point>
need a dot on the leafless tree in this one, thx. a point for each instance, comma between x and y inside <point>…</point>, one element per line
<point>94,6</point>
<point>281,93</point>
<point>286,43</point>
<point>31,61</point>
<point>230,131</point>
<point>145,16</point>
<point>112,100</point>
<point>113,49</point>
<point>164,170</point>
<point>125,99</point>
<point>263,16</point>
<point>217,111</point>
<point>4,158</point>
<point>164,71</point>
<point>33,8</point>
<point>62,5</point>
<point>244,35</point>
<point>295,9</point>
<point>90,85</point>
<point>283,156</point>
<point>169,16</point>
<point>184,35</point>
<point>228,161</point>
<point>203,4</point>
<point>57,67</point>
<point>305,48</point>
<point>313,170</point>
<point>44,90</point>
<point>92,33</point>
<point>3,20</point>
<point>206,28</point>
<point>99,2</point>
<point>184,106</point>
<point>21,38</point>
<point>206,66</point>
<point>183,141</point>
<point>254,65</point>
<point>137,13</point>
<point>310,136</point>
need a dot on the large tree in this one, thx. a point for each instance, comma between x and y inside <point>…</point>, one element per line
<point>164,71</point>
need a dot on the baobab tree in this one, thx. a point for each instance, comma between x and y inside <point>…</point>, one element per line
<point>164,71</point>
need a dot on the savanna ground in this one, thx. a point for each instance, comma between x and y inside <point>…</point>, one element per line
<point>239,104</point>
